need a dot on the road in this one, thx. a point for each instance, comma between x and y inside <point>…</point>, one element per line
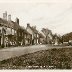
<point>18,51</point>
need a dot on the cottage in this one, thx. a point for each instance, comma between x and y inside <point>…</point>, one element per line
<point>48,35</point>
<point>34,33</point>
<point>8,30</point>
<point>26,37</point>
<point>41,38</point>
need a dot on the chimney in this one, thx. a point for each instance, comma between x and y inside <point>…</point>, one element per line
<point>5,15</point>
<point>9,17</point>
<point>17,20</point>
<point>28,25</point>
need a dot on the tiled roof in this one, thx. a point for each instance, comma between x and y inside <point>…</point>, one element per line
<point>3,22</point>
<point>10,24</point>
<point>42,34</point>
<point>25,31</point>
<point>33,29</point>
<point>16,26</point>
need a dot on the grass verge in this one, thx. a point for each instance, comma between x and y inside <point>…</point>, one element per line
<point>45,59</point>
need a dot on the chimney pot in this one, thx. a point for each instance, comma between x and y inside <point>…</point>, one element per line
<point>17,20</point>
<point>5,15</point>
<point>28,25</point>
<point>9,17</point>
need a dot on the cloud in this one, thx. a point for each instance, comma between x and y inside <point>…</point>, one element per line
<point>42,14</point>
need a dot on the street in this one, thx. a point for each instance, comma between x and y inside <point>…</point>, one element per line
<point>18,51</point>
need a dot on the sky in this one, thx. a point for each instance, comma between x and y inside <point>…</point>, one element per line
<point>55,15</point>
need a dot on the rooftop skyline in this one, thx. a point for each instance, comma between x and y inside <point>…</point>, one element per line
<point>56,16</point>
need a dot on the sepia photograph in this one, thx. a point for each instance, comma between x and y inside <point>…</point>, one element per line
<point>35,35</point>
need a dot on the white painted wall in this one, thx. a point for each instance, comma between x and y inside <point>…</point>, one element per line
<point>12,31</point>
<point>50,36</point>
<point>1,29</point>
<point>30,31</point>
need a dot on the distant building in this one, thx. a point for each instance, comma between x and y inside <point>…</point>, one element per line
<point>56,41</point>
<point>48,35</point>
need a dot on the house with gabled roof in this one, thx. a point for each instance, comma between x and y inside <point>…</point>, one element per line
<point>48,35</point>
<point>34,32</point>
<point>13,33</point>
<point>8,30</point>
<point>24,37</point>
<point>41,38</point>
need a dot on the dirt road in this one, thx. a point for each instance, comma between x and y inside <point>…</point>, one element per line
<point>17,51</point>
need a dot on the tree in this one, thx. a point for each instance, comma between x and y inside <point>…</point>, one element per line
<point>58,37</point>
<point>46,31</point>
<point>67,37</point>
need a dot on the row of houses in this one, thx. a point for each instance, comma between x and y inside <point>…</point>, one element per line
<point>12,34</point>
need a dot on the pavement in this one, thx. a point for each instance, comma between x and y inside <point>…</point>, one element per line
<point>7,53</point>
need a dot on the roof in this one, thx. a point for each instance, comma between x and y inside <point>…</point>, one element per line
<point>25,31</point>
<point>33,29</point>
<point>10,24</point>
<point>3,22</point>
<point>16,26</point>
<point>42,34</point>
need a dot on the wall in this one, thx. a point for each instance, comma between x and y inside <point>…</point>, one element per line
<point>31,32</point>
